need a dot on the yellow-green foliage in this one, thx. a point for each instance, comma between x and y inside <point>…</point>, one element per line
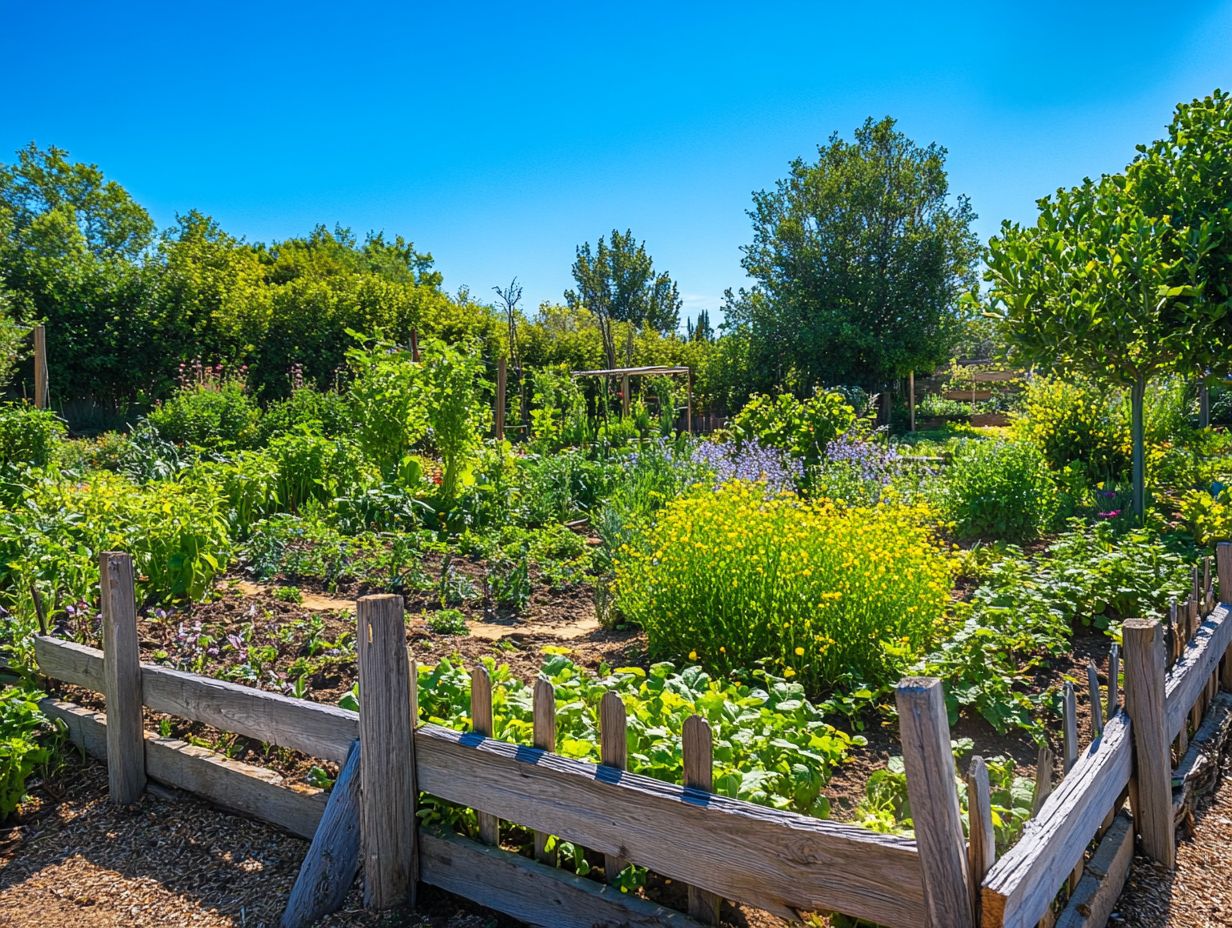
<point>1071,422</point>
<point>815,590</point>
<point>1208,517</point>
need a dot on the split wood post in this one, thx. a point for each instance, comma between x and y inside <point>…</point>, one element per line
<point>982,846</point>
<point>1223,570</point>
<point>614,752</point>
<point>122,679</point>
<point>42,392</point>
<point>481,724</point>
<point>1114,679</point>
<point>1198,709</point>
<point>1208,599</point>
<point>545,739</point>
<point>1097,705</point>
<point>1204,406</point>
<point>698,748</point>
<point>500,398</point>
<point>1069,705</point>
<point>415,345</point>
<point>688,415</point>
<point>1144,701</point>
<point>929,761</point>
<point>386,755</point>
<point>624,396</point>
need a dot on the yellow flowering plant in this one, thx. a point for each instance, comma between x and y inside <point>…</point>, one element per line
<point>815,590</point>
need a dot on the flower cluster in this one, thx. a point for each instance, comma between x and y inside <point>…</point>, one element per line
<point>751,462</point>
<point>870,459</point>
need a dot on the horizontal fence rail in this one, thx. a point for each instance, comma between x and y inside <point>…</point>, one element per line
<point>771,859</point>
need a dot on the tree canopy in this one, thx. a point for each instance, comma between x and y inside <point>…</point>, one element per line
<point>859,259</point>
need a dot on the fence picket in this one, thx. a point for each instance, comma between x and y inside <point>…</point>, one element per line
<point>1097,705</point>
<point>697,745</point>
<point>481,724</point>
<point>1069,705</point>
<point>1114,679</point>
<point>1144,700</point>
<point>545,739</point>
<point>982,844</point>
<point>614,752</point>
<point>122,679</point>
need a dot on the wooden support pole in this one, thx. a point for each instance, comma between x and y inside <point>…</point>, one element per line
<point>698,747</point>
<point>911,399</point>
<point>1204,406</point>
<point>1223,570</point>
<point>624,395</point>
<point>122,679</point>
<point>481,724</point>
<point>499,418</point>
<point>688,414</point>
<point>545,739</point>
<point>415,345</point>
<point>1114,680</point>
<point>42,391</point>
<point>982,844</point>
<point>929,761</point>
<point>1144,701</point>
<point>1069,705</point>
<point>1097,705</point>
<point>387,755</point>
<point>614,752</point>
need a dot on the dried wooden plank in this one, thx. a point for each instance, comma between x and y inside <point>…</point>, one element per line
<point>545,739</point>
<point>313,728</point>
<point>387,754</point>
<point>1096,894</point>
<point>228,784</point>
<point>697,745</point>
<point>1114,680</point>
<point>122,679</point>
<point>982,841</point>
<point>1020,887</point>
<point>1187,679</point>
<point>1097,704</point>
<point>614,752</point>
<point>1144,700</point>
<point>929,761</point>
<point>771,859</point>
<point>481,724</point>
<point>1069,707</point>
<point>332,861</point>
<point>532,892</point>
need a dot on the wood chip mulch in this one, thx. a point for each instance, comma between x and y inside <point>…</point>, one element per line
<point>76,861</point>
<point>1199,893</point>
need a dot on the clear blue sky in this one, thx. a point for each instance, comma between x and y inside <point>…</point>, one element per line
<point>499,136</point>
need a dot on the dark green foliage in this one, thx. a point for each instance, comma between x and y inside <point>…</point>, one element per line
<point>325,412</point>
<point>216,416</point>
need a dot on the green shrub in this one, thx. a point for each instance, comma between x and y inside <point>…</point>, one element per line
<point>388,405</point>
<point>802,428</point>
<point>1073,422</point>
<point>215,415</point>
<point>28,435</point>
<point>249,486</point>
<point>808,589</point>
<point>999,490</point>
<point>455,408</point>
<point>312,468</point>
<point>324,412</point>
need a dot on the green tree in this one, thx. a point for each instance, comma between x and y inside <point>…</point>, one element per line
<point>859,259</point>
<point>1099,287</point>
<point>618,283</point>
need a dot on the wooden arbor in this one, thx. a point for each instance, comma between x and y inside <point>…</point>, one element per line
<point>626,373</point>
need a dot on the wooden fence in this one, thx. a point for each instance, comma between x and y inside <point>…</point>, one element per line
<point>719,847</point>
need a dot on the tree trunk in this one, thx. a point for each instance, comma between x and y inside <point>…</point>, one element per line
<point>1137,402</point>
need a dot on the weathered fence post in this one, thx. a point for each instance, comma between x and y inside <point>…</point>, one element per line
<point>122,679</point>
<point>929,762</point>
<point>500,398</point>
<point>1144,701</point>
<point>387,755</point>
<point>42,391</point>
<point>1223,573</point>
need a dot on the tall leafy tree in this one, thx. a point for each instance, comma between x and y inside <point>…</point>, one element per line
<point>617,282</point>
<point>1124,279</point>
<point>859,259</point>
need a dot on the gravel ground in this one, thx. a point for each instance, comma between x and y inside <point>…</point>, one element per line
<point>1199,893</point>
<point>75,861</point>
